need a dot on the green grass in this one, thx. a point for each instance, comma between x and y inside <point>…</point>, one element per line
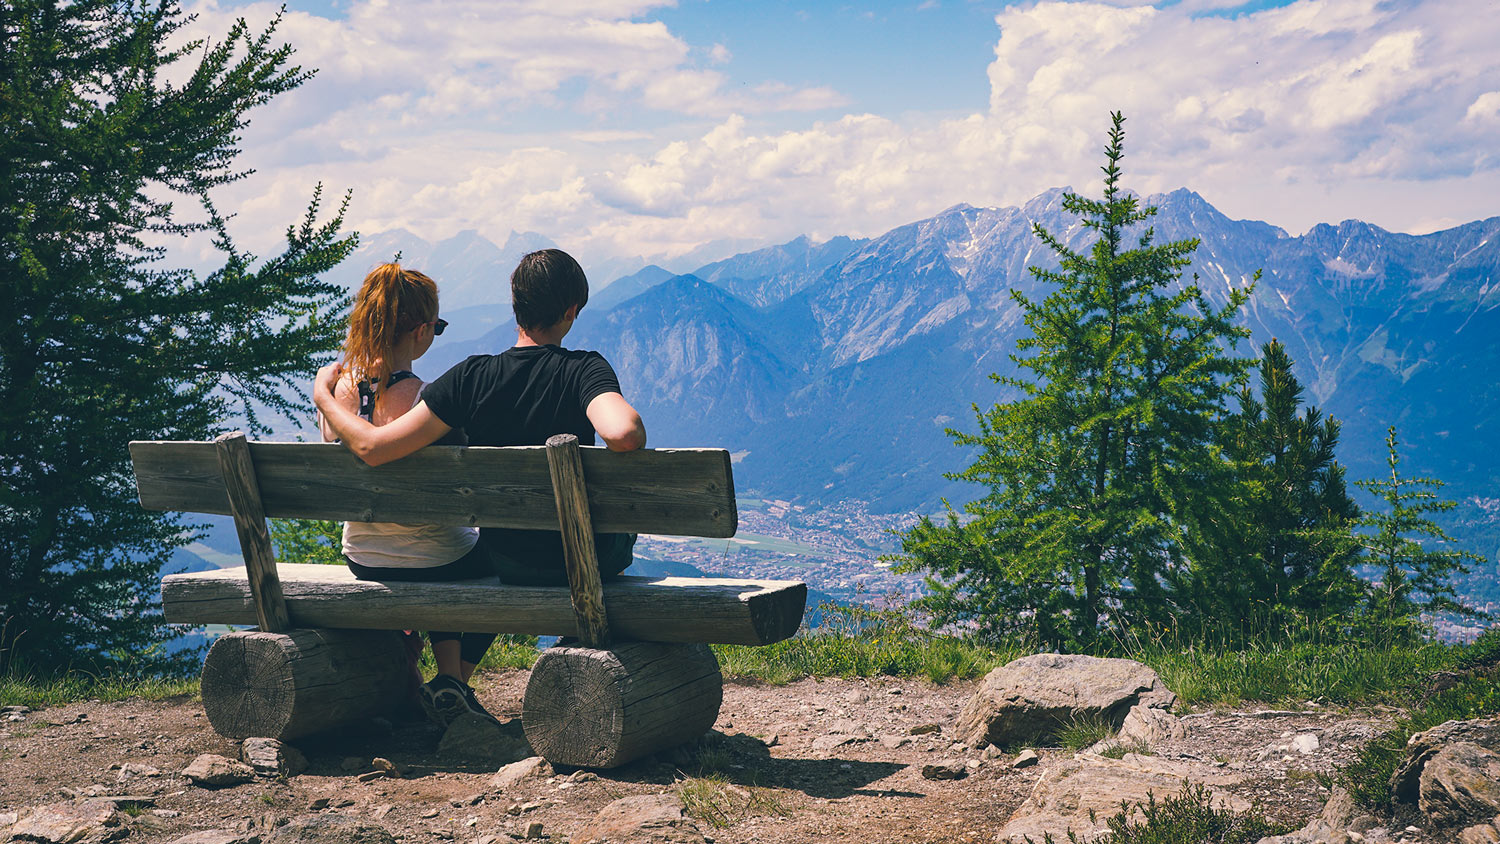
<point>859,642</point>
<point>508,651</point>
<point>1291,674</point>
<point>1087,731</point>
<point>716,801</point>
<point>37,692</point>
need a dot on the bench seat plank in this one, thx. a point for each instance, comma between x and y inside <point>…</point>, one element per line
<point>684,492</point>
<point>664,609</point>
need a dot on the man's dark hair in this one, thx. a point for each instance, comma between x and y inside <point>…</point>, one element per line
<point>544,285</point>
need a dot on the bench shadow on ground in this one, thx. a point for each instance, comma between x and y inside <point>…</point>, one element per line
<point>740,759</point>
<point>746,761</point>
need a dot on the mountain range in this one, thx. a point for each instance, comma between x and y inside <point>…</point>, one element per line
<point>832,369</point>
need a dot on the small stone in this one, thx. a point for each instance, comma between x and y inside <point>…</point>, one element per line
<point>945,769</point>
<point>772,740</point>
<point>381,811</point>
<point>653,817</point>
<point>974,764</point>
<point>342,802</point>
<point>533,830</point>
<point>1480,834</point>
<point>993,752</point>
<point>1305,743</point>
<point>371,776</point>
<point>1025,759</point>
<point>429,814</point>
<point>317,804</point>
<point>212,771</point>
<point>395,770</point>
<point>893,742</point>
<point>131,770</point>
<point>583,776</point>
<point>534,767</point>
<point>272,757</point>
<point>925,729</point>
<point>330,829</point>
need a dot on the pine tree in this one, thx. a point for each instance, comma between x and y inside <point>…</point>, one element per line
<point>1414,555</point>
<point>318,541</point>
<point>1092,471</point>
<point>100,343</point>
<point>1283,560</point>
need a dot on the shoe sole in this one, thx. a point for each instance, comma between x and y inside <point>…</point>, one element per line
<point>442,707</point>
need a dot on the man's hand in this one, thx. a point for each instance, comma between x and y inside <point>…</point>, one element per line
<point>374,444</point>
<point>327,380</point>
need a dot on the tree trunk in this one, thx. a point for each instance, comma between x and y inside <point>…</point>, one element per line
<point>285,685</point>
<point>594,708</point>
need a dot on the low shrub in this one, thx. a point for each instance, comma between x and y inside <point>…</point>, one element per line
<point>1188,817</point>
<point>1368,776</point>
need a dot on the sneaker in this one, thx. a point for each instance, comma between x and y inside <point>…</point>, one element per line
<point>445,698</point>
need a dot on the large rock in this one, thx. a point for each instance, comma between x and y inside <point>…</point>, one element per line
<point>1461,782</point>
<point>1080,794</point>
<point>1029,699</point>
<point>217,836</point>
<point>473,737</point>
<point>69,823</point>
<point>1331,826</point>
<point>1420,748</point>
<point>643,819</point>
<point>212,771</point>
<point>330,829</point>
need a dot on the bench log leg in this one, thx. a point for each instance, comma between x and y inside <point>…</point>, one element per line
<point>285,685</point>
<point>595,708</point>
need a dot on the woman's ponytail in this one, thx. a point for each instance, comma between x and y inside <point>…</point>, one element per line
<point>391,302</point>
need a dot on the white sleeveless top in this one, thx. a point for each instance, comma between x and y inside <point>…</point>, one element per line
<point>392,545</point>
<point>399,546</point>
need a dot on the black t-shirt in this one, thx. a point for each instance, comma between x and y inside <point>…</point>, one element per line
<point>523,395</point>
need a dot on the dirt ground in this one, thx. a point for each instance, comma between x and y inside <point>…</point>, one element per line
<point>829,761</point>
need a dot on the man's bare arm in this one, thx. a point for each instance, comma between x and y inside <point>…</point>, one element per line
<point>616,422</point>
<point>375,444</point>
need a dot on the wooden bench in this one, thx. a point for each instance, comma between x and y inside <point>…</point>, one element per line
<point>641,677</point>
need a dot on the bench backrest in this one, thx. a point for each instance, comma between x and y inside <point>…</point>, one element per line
<point>561,487</point>
<point>684,492</point>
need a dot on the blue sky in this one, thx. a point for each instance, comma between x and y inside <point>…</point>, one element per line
<point>633,130</point>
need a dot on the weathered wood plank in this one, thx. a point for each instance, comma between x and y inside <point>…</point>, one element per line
<point>668,609</point>
<point>579,556</point>
<point>250,523</point>
<point>684,492</point>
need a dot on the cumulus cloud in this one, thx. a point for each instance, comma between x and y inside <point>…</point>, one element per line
<point>1321,109</point>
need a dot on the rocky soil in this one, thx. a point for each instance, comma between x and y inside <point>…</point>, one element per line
<point>832,760</point>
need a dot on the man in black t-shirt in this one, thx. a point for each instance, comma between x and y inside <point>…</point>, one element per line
<point>519,397</point>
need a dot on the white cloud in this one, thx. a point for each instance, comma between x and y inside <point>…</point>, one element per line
<point>1320,110</point>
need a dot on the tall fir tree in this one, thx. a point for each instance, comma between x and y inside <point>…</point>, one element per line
<point>1414,557</point>
<point>1278,559</point>
<point>100,343</point>
<point>1093,470</point>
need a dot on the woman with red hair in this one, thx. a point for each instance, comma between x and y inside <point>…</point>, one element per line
<point>394,322</point>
